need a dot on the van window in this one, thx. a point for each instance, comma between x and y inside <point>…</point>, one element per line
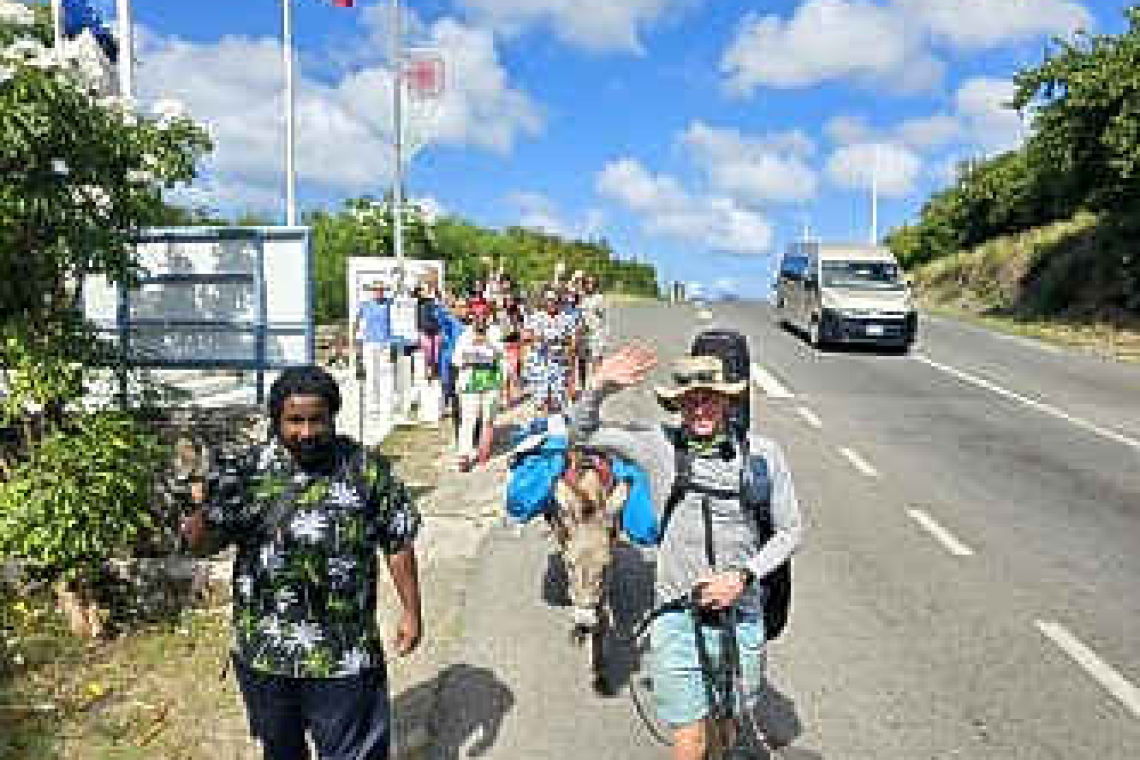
<point>793,267</point>
<point>862,275</point>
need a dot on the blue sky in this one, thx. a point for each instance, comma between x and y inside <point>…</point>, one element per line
<point>702,135</point>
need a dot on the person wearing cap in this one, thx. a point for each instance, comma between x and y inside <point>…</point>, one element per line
<point>711,550</point>
<point>372,330</point>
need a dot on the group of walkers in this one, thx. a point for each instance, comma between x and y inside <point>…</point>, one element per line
<point>492,348</point>
<point>310,511</point>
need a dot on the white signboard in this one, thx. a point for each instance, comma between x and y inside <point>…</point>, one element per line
<point>214,297</point>
<point>398,285</point>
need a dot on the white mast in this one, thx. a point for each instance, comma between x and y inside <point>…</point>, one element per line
<point>290,108</point>
<point>57,22</point>
<point>126,50</point>
<point>398,118</point>
<point>875,198</point>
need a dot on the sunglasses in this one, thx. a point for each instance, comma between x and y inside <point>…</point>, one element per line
<point>703,377</point>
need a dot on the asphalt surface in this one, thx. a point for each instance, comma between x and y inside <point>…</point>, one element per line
<point>968,583</point>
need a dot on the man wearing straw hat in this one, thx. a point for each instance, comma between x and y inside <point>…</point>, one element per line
<point>711,549</point>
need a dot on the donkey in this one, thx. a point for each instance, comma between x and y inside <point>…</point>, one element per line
<point>585,527</point>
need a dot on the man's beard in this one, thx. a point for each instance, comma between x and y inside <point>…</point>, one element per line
<point>313,454</point>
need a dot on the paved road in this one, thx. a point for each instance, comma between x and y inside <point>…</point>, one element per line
<point>968,588</point>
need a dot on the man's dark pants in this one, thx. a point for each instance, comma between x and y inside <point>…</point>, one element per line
<point>348,718</point>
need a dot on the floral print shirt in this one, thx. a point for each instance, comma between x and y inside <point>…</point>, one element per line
<point>304,597</point>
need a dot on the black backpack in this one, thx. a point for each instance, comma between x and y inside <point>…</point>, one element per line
<point>426,320</point>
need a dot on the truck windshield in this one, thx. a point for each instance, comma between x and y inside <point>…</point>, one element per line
<point>862,275</point>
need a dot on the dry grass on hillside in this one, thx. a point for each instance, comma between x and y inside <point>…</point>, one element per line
<point>1061,283</point>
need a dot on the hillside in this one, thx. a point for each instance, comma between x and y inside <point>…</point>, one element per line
<point>1073,282</point>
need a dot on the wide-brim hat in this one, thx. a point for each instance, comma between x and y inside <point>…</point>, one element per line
<point>692,373</point>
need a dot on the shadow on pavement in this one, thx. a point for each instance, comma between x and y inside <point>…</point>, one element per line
<point>472,705</point>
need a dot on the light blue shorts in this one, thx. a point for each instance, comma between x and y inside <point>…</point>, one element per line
<point>679,688</point>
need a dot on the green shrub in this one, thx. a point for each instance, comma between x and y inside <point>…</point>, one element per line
<point>83,496</point>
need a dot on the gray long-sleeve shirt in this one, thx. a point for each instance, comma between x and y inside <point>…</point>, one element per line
<point>682,557</point>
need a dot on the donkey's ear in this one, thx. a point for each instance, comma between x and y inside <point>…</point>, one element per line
<point>567,499</point>
<point>617,498</point>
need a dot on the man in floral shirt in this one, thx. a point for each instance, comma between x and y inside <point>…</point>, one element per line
<point>308,512</point>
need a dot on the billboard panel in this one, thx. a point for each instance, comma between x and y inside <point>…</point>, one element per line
<point>238,298</point>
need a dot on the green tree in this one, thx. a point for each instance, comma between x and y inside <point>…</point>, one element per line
<point>80,175</point>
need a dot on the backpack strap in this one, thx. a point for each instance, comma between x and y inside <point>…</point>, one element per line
<point>682,475</point>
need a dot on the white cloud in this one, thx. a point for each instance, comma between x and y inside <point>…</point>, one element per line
<point>847,129</point>
<point>754,170</point>
<point>539,212</point>
<point>978,24</point>
<point>929,132</point>
<point>981,106</point>
<point>890,44</point>
<point>895,167</point>
<point>713,223</point>
<point>828,40</point>
<point>595,25</point>
<point>234,87</point>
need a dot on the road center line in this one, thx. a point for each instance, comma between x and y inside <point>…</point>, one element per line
<point>769,384</point>
<point>944,537</point>
<point>859,463</point>
<point>1040,406</point>
<point>809,416</point>
<point>1103,673</point>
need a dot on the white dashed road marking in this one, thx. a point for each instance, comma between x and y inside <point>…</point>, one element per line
<point>809,417</point>
<point>769,384</point>
<point>944,537</point>
<point>1040,406</point>
<point>705,314</point>
<point>1103,673</point>
<point>859,463</point>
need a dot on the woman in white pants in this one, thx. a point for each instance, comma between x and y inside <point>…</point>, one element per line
<point>479,359</point>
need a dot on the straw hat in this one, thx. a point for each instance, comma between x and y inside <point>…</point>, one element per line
<point>697,372</point>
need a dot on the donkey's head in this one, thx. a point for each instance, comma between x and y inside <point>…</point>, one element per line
<point>589,501</point>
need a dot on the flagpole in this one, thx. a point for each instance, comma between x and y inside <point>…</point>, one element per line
<point>57,22</point>
<point>398,117</point>
<point>126,50</point>
<point>290,108</point>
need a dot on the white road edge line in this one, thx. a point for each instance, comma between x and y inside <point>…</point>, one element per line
<point>809,416</point>
<point>769,384</point>
<point>1040,406</point>
<point>943,536</point>
<point>859,463</point>
<point>1103,673</point>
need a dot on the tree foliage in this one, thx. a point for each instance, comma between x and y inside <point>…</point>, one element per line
<point>81,173</point>
<point>470,252</point>
<point>1083,154</point>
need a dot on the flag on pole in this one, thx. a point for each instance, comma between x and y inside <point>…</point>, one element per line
<point>79,16</point>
